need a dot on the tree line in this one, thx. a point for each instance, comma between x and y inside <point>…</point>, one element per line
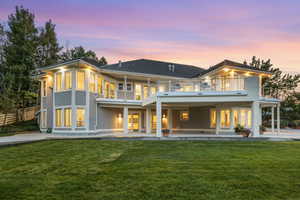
<point>23,48</point>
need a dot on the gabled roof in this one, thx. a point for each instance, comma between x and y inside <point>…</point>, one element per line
<point>233,64</point>
<point>156,67</point>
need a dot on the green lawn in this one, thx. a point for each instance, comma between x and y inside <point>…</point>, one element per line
<point>94,169</point>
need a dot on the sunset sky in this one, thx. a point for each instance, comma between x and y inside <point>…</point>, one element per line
<point>197,32</point>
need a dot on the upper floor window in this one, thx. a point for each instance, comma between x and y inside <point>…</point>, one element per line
<point>129,87</point>
<point>120,86</point>
<point>80,80</point>
<point>99,81</point>
<point>146,92</point>
<point>112,90</point>
<point>92,82</point>
<point>58,81</point>
<point>44,88</point>
<point>68,80</point>
<point>138,91</point>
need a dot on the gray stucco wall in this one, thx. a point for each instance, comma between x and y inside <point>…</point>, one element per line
<point>63,98</point>
<point>252,86</point>
<point>80,98</point>
<point>199,119</point>
<point>49,107</point>
<point>93,109</point>
<point>107,117</point>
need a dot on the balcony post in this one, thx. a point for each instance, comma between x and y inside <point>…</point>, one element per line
<point>170,120</point>
<point>255,118</point>
<point>278,118</point>
<point>149,89</point>
<point>148,120</point>
<point>170,85</point>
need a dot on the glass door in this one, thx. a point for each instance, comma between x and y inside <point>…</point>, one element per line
<point>133,121</point>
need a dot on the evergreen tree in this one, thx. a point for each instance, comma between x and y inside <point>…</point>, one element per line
<point>102,61</point>
<point>48,49</point>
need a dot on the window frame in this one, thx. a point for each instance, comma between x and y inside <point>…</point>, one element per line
<point>181,115</point>
<point>119,84</point>
<point>92,82</point>
<point>61,81</point>
<point>65,80</point>
<point>64,118</point>
<point>84,120</point>
<point>44,88</point>
<point>213,111</point>
<point>84,80</point>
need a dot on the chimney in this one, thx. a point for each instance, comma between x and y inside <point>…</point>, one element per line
<point>120,63</point>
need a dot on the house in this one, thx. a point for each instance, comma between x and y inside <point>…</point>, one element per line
<point>147,96</point>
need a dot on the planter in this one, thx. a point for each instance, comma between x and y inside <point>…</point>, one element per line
<point>166,132</point>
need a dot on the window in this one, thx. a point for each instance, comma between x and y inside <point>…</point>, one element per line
<point>120,86</point>
<point>68,80</point>
<point>153,91</point>
<point>146,92</point>
<point>58,81</point>
<point>213,118</point>
<point>138,91</point>
<point>242,116</point>
<point>184,115</point>
<point>80,80</point>
<point>43,119</point>
<point>249,118</point>
<point>100,85</point>
<point>106,89</point>
<point>129,87</point>
<point>235,118</point>
<point>80,117</point>
<point>44,88</point>
<point>58,118</point>
<point>112,90</point>
<point>68,117</point>
<point>225,118</point>
<point>92,83</point>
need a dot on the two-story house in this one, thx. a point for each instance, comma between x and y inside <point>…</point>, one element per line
<point>146,96</point>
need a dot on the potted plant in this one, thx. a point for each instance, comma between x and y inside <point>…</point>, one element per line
<point>239,129</point>
<point>166,132</point>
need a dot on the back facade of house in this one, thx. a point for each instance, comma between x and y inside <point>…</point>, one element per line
<point>146,96</point>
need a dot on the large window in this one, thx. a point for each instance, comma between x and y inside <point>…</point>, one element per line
<point>58,81</point>
<point>99,80</point>
<point>120,86</point>
<point>92,82</point>
<point>80,117</point>
<point>80,80</point>
<point>146,92</point>
<point>68,80</point>
<point>242,116</point>
<point>225,118</point>
<point>67,117</point>
<point>112,90</point>
<point>58,117</point>
<point>213,118</point>
<point>138,91</point>
<point>106,89</point>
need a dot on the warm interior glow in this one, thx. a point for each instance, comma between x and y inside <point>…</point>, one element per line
<point>68,80</point>
<point>99,80</point>
<point>247,74</point>
<point>146,92</point>
<point>213,118</point>
<point>138,91</point>
<point>80,118</point>
<point>226,69</point>
<point>133,121</point>
<point>58,117</point>
<point>225,118</point>
<point>68,117</point>
<point>80,80</point>
<point>184,115</point>
<point>92,82</point>
<point>58,81</point>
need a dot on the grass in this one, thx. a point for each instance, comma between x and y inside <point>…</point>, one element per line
<point>19,127</point>
<point>94,169</point>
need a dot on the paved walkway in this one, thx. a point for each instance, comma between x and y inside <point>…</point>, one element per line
<point>33,137</point>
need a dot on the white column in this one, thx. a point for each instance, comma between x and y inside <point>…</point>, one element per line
<point>218,122</point>
<point>255,119</point>
<point>148,120</point>
<point>231,120</point>
<point>74,99</point>
<point>260,116</point>
<point>125,119</point>
<point>278,118</point>
<point>170,84</point>
<point>125,86</point>
<point>272,120</point>
<point>158,118</point>
<point>170,120</point>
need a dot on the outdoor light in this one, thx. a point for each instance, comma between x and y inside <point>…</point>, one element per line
<point>226,69</point>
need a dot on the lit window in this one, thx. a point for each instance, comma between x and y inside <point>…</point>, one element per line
<point>154,120</point>
<point>112,90</point>
<point>161,88</point>
<point>225,118</point>
<point>138,91</point>
<point>243,117</point>
<point>249,118</point>
<point>58,117</point>
<point>99,85</point>
<point>235,117</point>
<point>44,88</point>
<point>68,117</point>
<point>80,80</point>
<point>146,95</point>
<point>106,89</point>
<point>213,118</point>
<point>80,117</point>
<point>58,81</point>
<point>153,91</point>
<point>92,85</point>
<point>68,80</point>
<point>184,115</point>
<point>120,86</point>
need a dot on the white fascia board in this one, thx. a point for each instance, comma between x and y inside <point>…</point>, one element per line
<point>203,94</point>
<point>118,101</point>
<point>206,99</point>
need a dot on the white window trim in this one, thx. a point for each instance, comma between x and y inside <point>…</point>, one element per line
<point>210,116</point>
<point>63,81</point>
<point>63,116</point>
<point>84,81</point>
<point>95,81</point>
<point>64,77</point>
<point>85,116</point>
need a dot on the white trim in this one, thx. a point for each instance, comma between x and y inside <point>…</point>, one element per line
<point>205,93</point>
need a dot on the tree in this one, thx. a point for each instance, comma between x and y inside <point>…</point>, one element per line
<point>20,53</point>
<point>278,85</point>
<point>48,48</point>
<point>80,52</point>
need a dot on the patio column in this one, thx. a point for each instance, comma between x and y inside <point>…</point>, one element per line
<point>170,120</point>
<point>125,87</point>
<point>218,121</point>
<point>231,119</point>
<point>278,118</point>
<point>158,118</point>
<point>255,119</point>
<point>272,120</point>
<point>125,119</point>
<point>148,120</point>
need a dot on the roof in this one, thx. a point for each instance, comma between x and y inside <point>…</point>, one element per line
<point>157,68</point>
<point>233,64</point>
